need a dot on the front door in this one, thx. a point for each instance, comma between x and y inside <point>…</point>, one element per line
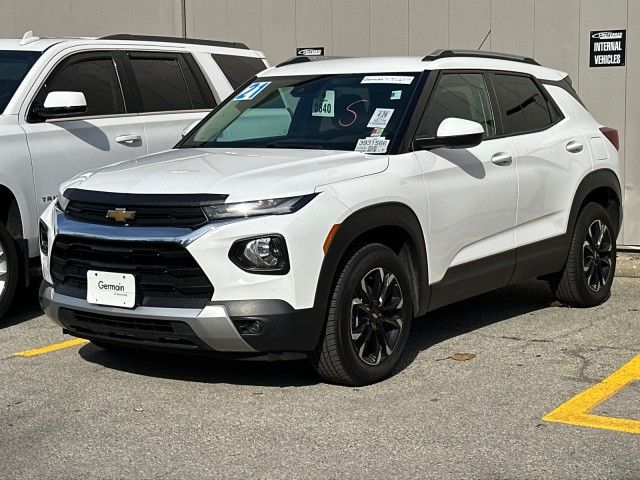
<point>472,192</point>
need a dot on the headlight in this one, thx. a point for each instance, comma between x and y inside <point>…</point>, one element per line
<point>266,254</point>
<point>44,238</point>
<point>62,202</point>
<point>274,206</point>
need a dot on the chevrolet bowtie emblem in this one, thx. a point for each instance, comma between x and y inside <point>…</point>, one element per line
<point>121,215</point>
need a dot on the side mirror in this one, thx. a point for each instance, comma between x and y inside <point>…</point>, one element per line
<point>189,127</point>
<point>453,133</point>
<point>63,104</point>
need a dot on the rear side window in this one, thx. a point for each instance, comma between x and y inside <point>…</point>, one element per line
<point>165,83</point>
<point>522,105</point>
<point>238,69</point>
<point>95,77</point>
<point>458,95</point>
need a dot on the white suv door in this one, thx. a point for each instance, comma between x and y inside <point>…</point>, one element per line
<point>472,192</point>
<point>105,134</point>
<point>170,93</point>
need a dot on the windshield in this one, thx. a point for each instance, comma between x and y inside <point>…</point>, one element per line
<point>13,68</point>
<point>360,112</point>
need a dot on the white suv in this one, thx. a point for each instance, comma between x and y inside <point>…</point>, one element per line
<point>70,105</point>
<point>328,203</point>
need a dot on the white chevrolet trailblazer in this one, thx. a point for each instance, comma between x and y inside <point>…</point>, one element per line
<point>326,204</point>
<point>69,105</point>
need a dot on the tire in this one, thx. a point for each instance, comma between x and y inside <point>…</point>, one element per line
<point>587,278</point>
<point>363,340</point>
<point>9,270</point>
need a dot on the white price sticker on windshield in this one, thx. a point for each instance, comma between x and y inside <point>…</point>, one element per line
<point>324,106</point>
<point>396,79</point>
<point>380,118</point>
<point>372,145</point>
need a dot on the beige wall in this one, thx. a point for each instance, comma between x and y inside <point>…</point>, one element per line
<point>555,32</point>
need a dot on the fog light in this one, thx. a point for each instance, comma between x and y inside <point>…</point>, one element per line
<point>254,327</point>
<point>266,254</point>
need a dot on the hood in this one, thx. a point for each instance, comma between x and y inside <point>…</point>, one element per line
<point>243,174</point>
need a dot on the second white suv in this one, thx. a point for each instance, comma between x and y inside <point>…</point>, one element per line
<point>70,105</point>
<point>327,203</point>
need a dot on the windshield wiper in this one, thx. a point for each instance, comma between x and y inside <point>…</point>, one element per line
<point>289,144</point>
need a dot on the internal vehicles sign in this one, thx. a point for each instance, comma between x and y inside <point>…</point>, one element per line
<point>607,48</point>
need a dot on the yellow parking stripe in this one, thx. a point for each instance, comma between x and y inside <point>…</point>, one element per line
<point>576,411</point>
<point>51,348</point>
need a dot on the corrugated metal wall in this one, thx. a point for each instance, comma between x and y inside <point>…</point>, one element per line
<point>555,32</point>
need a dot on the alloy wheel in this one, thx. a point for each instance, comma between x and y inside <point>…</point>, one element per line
<point>376,316</point>
<point>597,255</point>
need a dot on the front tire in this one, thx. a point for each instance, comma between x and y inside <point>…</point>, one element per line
<point>9,270</point>
<point>588,274</point>
<point>368,321</point>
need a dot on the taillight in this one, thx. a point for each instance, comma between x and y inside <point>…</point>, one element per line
<point>612,136</point>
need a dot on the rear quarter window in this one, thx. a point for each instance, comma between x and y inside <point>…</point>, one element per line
<point>238,69</point>
<point>523,106</point>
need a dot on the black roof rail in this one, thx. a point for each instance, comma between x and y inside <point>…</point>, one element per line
<point>191,41</point>
<point>303,59</point>
<point>449,53</point>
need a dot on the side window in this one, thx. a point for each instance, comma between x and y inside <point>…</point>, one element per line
<point>522,105</point>
<point>95,77</point>
<point>238,69</point>
<point>165,83</point>
<point>459,95</point>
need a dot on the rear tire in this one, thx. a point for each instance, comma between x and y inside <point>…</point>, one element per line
<point>588,274</point>
<point>9,270</point>
<point>368,321</point>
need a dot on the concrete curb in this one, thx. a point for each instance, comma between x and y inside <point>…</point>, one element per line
<point>628,265</point>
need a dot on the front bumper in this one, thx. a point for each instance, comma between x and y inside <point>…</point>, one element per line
<point>217,328</point>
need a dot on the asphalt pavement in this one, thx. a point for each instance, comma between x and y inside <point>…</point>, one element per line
<point>467,402</point>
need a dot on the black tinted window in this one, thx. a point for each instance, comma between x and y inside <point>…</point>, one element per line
<point>458,95</point>
<point>238,69</point>
<point>13,68</point>
<point>164,84</point>
<point>96,78</point>
<point>522,105</point>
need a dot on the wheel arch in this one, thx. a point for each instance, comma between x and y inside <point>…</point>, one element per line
<point>10,215</point>
<point>600,186</point>
<point>392,224</point>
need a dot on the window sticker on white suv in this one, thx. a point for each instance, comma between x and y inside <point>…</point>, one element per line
<point>252,91</point>
<point>380,118</point>
<point>372,145</point>
<point>397,79</point>
<point>324,106</point>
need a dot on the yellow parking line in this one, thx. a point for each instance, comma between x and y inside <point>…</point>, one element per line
<point>51,348</point>
<point>576,411</point>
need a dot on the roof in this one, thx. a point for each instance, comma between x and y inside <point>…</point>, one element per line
<point>42,44</point>
<point>409,64</point>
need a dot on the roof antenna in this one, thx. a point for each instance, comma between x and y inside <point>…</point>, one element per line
<point>485,39</point>
<point>28,38</point>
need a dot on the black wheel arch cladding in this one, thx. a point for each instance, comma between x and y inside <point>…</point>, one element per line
<point>392,224</point>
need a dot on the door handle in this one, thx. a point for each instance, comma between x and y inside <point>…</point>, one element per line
<point>574,147</point>
<point>502,159</point>
<point>128,139</point>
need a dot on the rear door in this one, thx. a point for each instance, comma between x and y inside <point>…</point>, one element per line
<point>472,192</point>
<point>170,93</point>
<point>551,156</point>
<point>107,133</point>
